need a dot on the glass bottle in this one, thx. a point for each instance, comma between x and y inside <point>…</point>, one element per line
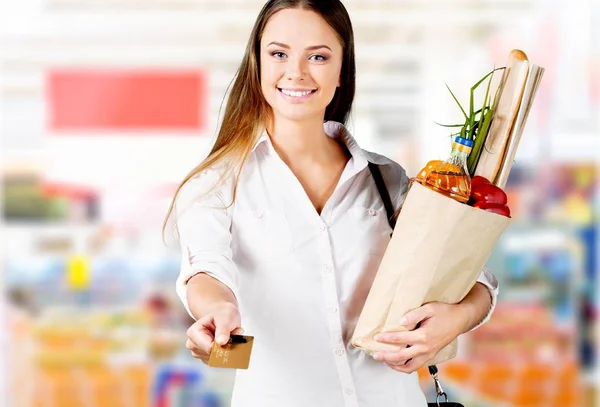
<point>451,178</point>
<point>422,175</point>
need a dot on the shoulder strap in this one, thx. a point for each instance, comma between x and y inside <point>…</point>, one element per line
<point>383,192</point>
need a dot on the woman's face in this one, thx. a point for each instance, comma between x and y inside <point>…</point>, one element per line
<point>300,59</point>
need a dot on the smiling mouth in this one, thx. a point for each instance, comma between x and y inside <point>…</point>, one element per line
<point>296,93</point>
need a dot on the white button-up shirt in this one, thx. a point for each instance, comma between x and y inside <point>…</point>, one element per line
<point>301,278</point>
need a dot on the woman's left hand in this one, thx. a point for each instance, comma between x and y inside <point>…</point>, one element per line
<point>438,325</point>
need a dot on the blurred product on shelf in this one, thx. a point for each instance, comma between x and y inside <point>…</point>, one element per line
<point>181,385</point>
<point>27,197</point>
<point>168,381</point>
<point>511,383</point>
<point>104,358</point>
<point>524,333</point>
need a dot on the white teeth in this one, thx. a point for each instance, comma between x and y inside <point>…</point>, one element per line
<point>295,94</point>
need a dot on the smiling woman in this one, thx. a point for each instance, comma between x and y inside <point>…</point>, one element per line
<point>282,228</point>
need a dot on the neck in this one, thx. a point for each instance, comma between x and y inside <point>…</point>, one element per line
<point>301,140</point>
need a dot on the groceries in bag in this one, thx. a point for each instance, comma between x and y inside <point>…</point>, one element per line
<point>441,243</point>
<point>451,178</point>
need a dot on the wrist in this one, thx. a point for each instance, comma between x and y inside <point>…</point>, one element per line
<point>474,307</point>
<point>205,295</point>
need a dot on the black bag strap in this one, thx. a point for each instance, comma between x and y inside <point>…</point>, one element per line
<point>385,195</point>
<point>389,209</point>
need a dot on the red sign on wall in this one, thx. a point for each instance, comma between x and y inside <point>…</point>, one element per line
<point>126,100</point>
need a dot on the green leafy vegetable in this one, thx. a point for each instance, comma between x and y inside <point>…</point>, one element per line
<point>477,123</point>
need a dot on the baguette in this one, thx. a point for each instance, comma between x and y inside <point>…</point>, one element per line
<point>533,81</point>
<point>509,101</point>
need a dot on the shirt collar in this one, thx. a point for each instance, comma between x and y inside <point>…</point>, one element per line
<point>333,129</point>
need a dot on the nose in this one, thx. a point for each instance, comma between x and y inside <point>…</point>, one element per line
<point>296,69</point>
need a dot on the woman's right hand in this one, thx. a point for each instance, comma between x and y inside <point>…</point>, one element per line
<point>218,325</point>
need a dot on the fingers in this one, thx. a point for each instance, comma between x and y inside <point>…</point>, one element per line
<point>205,358</point>
<point>412,318</point>
<point>196,352</point>
<point>419,336</point>
<point>238,331</point>
<point>415,347</point>
<point>411,365</point>
<point>219,324</point>
<point>401,357</point>
<point>200,338</point>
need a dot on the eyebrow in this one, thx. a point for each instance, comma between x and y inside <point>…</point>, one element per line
<point>312,47</point>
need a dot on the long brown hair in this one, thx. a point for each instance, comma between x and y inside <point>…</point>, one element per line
<point>247,112</point>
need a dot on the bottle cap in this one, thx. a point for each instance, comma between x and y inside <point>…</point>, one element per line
<point>462,144</point>
<point>464,141</point>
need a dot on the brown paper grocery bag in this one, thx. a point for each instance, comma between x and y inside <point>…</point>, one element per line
<point>438,249</point>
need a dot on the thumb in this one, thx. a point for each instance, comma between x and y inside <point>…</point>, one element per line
<point>413,317</point>
<point>223,328</point>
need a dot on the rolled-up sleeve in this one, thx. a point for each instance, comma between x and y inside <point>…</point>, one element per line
<point>488,279</point>
<point>203,222</point>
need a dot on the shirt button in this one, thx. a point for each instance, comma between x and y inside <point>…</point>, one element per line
<point>323,228</point>
<point>339,352</point>
<point>332,310</point>
<point>348,391</point>
<point>327,269</point>
<point>259,214</point>
<point>372,212</point>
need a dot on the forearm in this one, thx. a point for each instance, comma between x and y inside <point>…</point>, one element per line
<point>204,293</point>
<point>475,306</point>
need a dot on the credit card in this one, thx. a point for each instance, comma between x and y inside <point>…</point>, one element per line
<point>235,354</point>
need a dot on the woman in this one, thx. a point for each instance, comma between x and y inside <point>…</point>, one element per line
<point>282,228</point>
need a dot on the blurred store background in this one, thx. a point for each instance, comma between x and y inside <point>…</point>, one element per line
<point>105,106</point>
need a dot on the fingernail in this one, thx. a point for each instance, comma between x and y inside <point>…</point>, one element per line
<point>377,356</point>
<point>222,339</point>
<point>403,321</point>
<point>378,337</point>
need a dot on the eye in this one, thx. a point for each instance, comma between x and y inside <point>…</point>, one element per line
<point>278,54</point>
<point>318,57</point>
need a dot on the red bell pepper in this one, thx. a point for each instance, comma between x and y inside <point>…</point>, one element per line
<point>477,180</point>
<point>488,193</point>
<point>500,209</point>
<point>489,197</point>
